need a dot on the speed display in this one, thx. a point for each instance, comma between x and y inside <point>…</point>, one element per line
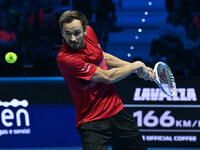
<point>163,120</point>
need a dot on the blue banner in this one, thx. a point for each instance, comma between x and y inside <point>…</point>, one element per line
<point>43,125</point>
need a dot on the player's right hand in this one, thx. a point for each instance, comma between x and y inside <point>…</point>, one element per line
<point>146,73</point>
<point>143,73</point>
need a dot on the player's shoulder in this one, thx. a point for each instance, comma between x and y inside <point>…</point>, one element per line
<point>91,34</point>
<point>89,29</point>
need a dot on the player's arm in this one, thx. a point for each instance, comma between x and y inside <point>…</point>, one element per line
<point>116,74</point>
<point>114,62</point>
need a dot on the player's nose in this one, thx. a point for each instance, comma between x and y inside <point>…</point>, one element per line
<point>73,38</point>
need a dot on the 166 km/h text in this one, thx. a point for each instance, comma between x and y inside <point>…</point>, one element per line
<point>165,120</point>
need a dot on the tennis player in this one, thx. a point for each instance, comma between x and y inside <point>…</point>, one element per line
<point>101,117</point>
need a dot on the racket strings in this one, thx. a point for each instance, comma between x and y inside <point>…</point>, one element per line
<point>165,80</point>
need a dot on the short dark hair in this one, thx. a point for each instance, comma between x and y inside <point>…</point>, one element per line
<point>70,15</point>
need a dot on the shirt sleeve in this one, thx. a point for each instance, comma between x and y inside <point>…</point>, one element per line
<point>78,68</point>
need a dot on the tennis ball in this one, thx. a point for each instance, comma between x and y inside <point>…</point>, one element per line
<point>10,57</point>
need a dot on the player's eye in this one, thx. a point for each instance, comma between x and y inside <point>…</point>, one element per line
<point>68,33</point>
<point>77,33</point>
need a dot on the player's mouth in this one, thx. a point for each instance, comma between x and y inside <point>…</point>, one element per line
<point>73,43</point>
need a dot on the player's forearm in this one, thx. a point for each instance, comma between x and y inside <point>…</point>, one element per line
<point>114,62</point>
<point>117,74</point>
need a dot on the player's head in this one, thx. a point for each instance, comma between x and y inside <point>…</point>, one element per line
<point>73,28</point>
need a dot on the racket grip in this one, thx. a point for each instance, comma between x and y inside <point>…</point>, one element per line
<point>139,72</point>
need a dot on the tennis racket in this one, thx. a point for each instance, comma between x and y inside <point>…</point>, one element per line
<point>164,78</point>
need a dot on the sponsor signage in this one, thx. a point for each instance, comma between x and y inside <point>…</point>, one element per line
<point>23,125</point>
<point>163,120</point>
<point>154,94</point>
<point>14,118</point>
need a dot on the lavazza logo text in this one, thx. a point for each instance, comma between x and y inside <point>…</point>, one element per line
<point>155,94</point>
<point>14,118</point>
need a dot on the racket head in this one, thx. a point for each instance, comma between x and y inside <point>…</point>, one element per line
<point>164,78</point>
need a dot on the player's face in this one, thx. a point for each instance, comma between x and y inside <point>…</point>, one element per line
<point>73,34</point>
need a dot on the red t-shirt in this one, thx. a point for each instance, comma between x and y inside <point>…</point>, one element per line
<point>93,100</point>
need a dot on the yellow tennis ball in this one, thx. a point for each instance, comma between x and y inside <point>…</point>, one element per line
<point>10,57</point>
